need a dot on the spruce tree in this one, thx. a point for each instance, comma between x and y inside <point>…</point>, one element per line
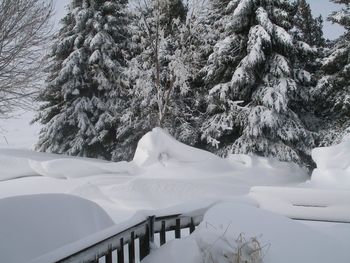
<point>306,27</point>
<point>160,75</point>
<point>332,94</point>
<point>307,30</point>
<point>253,83</point>
<point>85,90</point>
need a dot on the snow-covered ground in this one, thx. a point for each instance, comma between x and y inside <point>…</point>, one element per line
<point>167,176</point>
<point>17,132</point>
<point>227,228</point>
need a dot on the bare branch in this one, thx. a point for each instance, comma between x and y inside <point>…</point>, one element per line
<point>24,31</point>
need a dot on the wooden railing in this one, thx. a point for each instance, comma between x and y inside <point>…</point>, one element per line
<point>135,242</point>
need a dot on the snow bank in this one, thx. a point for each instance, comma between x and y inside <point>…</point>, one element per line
<point>304,203</point>
<point>333,166</point>
<point>185,250</point>
<point>164,173</point>
<point>73,168</point>
<point>267,171</point>
<point>15,163</point>
<point>281,239</point>
<point>12,167</point>
<point>288,241</point>
<point>159,146</point>
<point>33,225</point>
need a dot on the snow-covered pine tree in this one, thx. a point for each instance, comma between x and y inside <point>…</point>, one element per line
<point>306,27</point>
<point>160,74</point>
<point>85,90</point>
<point>332,94</point>
<point>251,107</point>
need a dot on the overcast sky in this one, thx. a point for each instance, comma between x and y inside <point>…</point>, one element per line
<point>319,7</point>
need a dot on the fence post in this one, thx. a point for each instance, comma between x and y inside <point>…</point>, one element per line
<point>145,242</point>
<point>109,254</point>
<point>121,251</point>
<point>192,226</point>
<point>132,248</point>
<point>178,228</point>
<point>151,220</point>
<point>162,234</point>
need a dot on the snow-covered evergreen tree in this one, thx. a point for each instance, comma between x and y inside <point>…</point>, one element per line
<point>85,91</point>
<point>253,82</point>
<point>160,74</point>
<point>306,27</point>
<point>332,94</point>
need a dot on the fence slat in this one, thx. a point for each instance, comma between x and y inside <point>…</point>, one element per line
<point>132,248</point>
<point>162,234</point>
<point>178,228</point>
<point>192,226</point>
<point>121,251</point>
<point>109,257</point>
<point>145,244</point>
<point>151,221</point>
<point>143,231</point>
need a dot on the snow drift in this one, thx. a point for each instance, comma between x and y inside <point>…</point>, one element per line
<point>32,225</point>
<point>280,239</point>
<point>159,146</point>
<point>333,166</point>
<point>165,175</point>
<point>304,203</point>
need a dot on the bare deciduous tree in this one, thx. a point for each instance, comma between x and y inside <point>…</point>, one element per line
<point>24,31</point>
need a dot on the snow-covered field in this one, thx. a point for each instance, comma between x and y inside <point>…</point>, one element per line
<point>165,177</point>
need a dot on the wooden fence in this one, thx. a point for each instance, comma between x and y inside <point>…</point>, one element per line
<point>136,240</point>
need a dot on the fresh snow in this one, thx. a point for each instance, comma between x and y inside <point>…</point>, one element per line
<point>333,166</point>
<point>281,239</point>
<point>166,177</point>
<point>12,134</point>
<point>304,203</point>
<point>32,225</point>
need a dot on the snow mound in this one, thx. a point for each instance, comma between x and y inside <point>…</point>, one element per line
<point>287,241</point>
<point>333,166</point>
<point>37,224</point>
<point>12,167</point>
<point>158,146</point>
<point>304,203</point>
<point>73,168</point>
<point>263,170</point>
<point>227,227</point>
<point>15,163</point>
<point>183,250</point>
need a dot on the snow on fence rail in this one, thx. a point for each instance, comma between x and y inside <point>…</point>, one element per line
<point>141,235</point>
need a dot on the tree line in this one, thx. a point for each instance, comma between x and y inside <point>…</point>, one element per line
<point>228,76</point>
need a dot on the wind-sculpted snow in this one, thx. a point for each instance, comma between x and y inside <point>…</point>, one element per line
<point>158,146</point>
<point>32,225</point>
<point>73,168</point>
<point>165,175</point>
<point>333,166</point>
<point>304,203</point>
<point>229,228</point>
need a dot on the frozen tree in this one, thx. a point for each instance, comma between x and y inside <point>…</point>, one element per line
<point>306,27</point>
<point>86,89</point>
<point>24,32</point>
<point>253,83</point>
<point>160,74</point>
<point>332,94</point>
